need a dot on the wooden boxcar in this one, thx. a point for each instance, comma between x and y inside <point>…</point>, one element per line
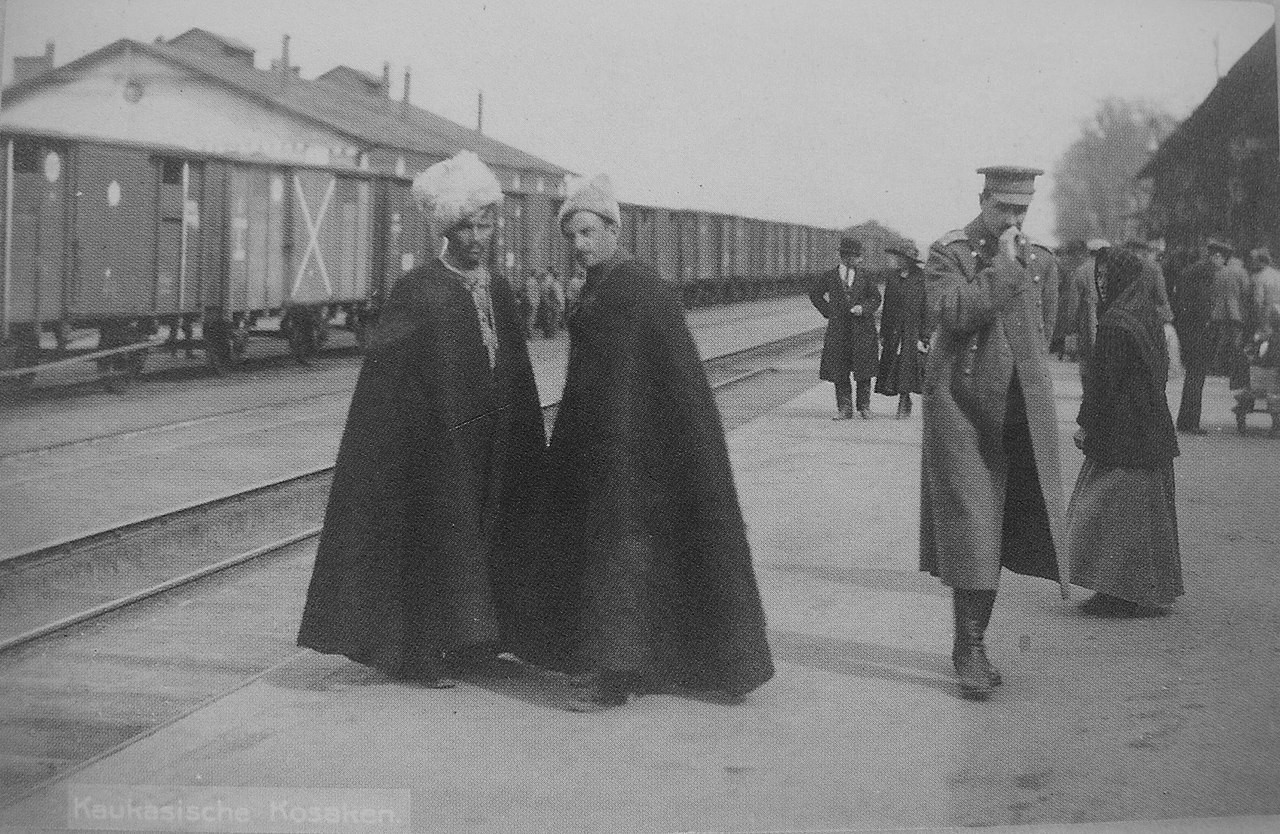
<point>127,239</point>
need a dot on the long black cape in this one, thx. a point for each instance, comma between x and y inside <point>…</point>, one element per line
<point>646,569</point>
<point>421,550</point>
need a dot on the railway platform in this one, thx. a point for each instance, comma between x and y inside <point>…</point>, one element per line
<point>76,467</point>
<point>1168,723</point>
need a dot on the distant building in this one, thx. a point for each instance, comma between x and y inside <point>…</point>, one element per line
<point>1218,174</point>
<point>199,95</point>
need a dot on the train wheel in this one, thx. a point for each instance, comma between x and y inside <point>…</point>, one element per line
<point>307,332</point>
<point>16,354</point>
<point>118,373</point>
<point>217,345</point>
<point>14,388</point>
<point>225,344</point>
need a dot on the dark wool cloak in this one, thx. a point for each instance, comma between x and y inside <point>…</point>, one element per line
<point>850,346</point>
<point>421,547</point>
<point>902,324</point>
<point>647,567</point>
<point>1124,411</point>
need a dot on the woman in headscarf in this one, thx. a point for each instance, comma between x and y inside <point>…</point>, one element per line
<point>1123,528</point>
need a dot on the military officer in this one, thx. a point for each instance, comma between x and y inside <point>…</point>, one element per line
<point>991,494</point>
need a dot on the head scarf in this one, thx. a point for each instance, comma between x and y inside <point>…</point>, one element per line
<point>1126,304</point>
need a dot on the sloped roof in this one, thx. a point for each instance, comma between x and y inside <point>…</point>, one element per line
<point>356,79</point>
<point>371,120</point>
<point>230,43</point>
<point>1235,90</point>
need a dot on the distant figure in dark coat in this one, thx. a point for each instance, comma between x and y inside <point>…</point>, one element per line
<point>848,299</point>
<point>1123,526</point>
<point>1191,297</point>
<point>1230,317</point>
<point>648,578</point>
<point>1080,302</point>
<point>904,330</point>
<point>421,552</point>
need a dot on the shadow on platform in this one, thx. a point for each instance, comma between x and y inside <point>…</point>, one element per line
<point>876,579</point>
<point>867,661</point>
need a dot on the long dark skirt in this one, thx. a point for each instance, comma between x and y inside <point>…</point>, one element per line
<point>1123,533</point>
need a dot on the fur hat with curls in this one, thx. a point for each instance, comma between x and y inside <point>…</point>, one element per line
<point>456,188</point>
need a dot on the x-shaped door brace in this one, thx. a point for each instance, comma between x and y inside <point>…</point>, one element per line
<point>313,230</point>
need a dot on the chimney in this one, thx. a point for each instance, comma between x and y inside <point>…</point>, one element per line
<point>386,79</point>
<point>405,98</point>
<point>285,69</point>
<point>29,66</point>
<point>480,112</point>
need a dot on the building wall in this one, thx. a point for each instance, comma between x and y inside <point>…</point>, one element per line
<point>175,110</point>
<point>1218,175</point>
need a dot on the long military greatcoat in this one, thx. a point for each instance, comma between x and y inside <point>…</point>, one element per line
<point>421,550</point>
<point>646,570</point>
<point>850,346</point>
<point>992,314</point>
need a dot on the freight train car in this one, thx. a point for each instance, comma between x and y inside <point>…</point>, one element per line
<point>173,193</point>
<point>718,258</point>
<point>126,240</point>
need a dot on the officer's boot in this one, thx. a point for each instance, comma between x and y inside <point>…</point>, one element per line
<point>985,601</point>
<point>904,407</point>
<point>968,653</point>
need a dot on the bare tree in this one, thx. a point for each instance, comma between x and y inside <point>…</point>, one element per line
<point>1095,194</point>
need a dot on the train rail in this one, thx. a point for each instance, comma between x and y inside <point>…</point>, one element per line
<point>204,599</point>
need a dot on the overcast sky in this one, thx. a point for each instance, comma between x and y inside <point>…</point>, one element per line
<point>813,111</point>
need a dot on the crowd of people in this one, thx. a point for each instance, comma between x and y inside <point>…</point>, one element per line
<point>459,540</point>
<point>544,302</point>
<point>1221,312</point>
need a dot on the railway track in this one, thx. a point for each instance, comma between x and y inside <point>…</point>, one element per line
<point>45,589</point>
<point>109,637</point>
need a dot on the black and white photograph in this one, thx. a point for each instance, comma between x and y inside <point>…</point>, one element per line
<point>527,416</point>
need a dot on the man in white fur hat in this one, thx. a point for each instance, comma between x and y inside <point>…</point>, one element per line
<point>419,560</point>
<point>646,576</point>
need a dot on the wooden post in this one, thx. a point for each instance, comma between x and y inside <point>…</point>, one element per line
<point>8,199</point>
<point>182,237</point>
<point>8,240</point>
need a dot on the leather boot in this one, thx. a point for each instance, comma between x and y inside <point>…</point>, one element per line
<point>968,653</point>
<point>985,601</point>
<point>844,406</point>
<point>904,407</point>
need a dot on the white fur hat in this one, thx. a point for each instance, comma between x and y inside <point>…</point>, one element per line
<point>594,194</point>
<point>456,188</point>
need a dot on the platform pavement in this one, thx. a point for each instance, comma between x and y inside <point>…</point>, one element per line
<point>1176,718</point>
<point>64,494</point>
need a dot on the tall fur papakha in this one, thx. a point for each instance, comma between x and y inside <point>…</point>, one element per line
<point>455,188</point>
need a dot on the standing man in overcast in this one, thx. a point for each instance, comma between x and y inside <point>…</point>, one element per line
<point>1192,298</point>
<point>647,577</point>
<point>848,299</point>
<point>421,550</point>
<point>991,490</point>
